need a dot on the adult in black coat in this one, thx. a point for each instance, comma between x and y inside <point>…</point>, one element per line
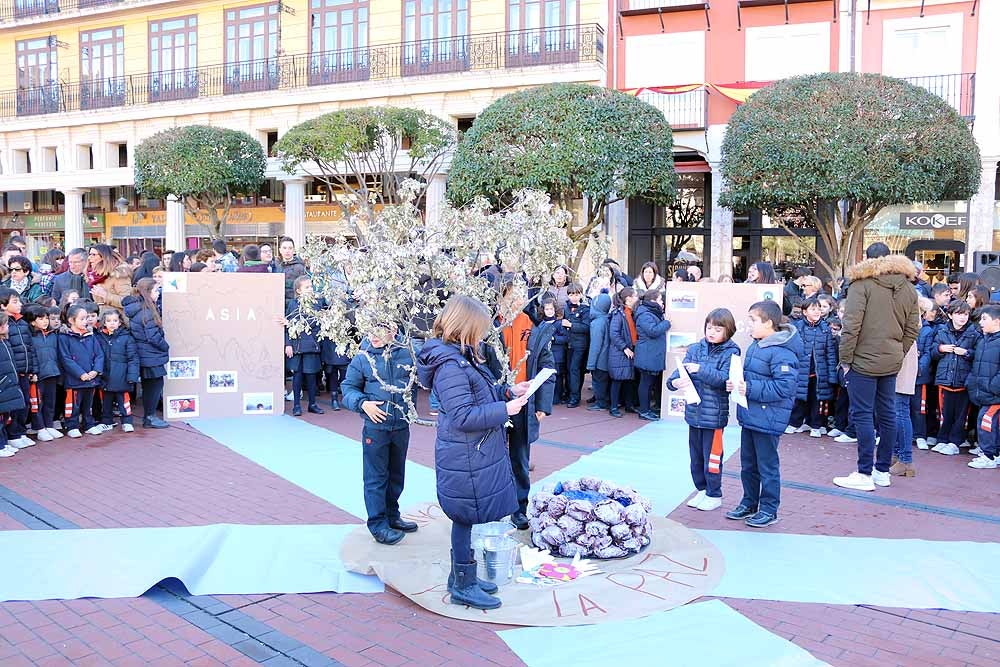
<point>74,278</point>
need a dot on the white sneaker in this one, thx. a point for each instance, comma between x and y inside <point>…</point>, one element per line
<point>855,481</point>
<point>127,428</point>
<point>7,452</point>
<point>815,433</point>
<point>54,433</point>
<point>22,442</point>
<point>45,436</point>
<point>921,443</point>
<point>881,478</point>
<point>843,437</point>
<point>75,433</point>
<point>822,430</point>
<point>708,504</point>
<point>32,431</point>
<point>696,499</point>
<point>835,433</point>
<point>932,441</point>
<point>966,445</point>
<point>938,446</point>
<point>948,449</point>
<point>975,451</point>
<point>107,427</point>
<point>802,429</point>
<point>288,396</point>
<point>789,430</point>
<point>983,462</point>
<point>57,424</point>
<point>95,430</point>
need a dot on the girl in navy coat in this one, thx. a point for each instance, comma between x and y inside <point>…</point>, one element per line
<point>335,364</point>
<point>146,327</point>
<point>623,337</point>
<point>475,481</point>
<point>920,408</point>
<point>303,348</point>
<point>953,349</point>
<point>707,364</point>
<point>650,350</point>
<point>553,315</point>
<point>817,370</point>
<point>45,341</point>
<point>11,399</point>
<point>19,338</point>
<point>121,370</point>
<point>578,317</point>
<point>597,355</point>
<point>82,361</point>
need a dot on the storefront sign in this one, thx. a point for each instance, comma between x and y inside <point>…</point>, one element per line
<point>237,216</point>
<point>56,222</point>
<point>928,220</point>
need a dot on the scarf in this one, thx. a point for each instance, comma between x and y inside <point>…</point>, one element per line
<point>631,325</point>
<point>94,278</point>
<point>20,286</point>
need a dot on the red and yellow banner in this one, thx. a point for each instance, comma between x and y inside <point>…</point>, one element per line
<point>738,92</point>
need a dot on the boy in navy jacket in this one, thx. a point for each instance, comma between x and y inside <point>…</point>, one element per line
<point>82,360</point>
<point>770,375</point>
<point>121,370</point>
<point>984,388</point>
<point>386,433</point>
<point>553,315</point>
<point>817,371</point>
<point>19,339</point>
<point>44,341</point>
<point>11,399</point>
<point>954,349</point>
<point>597,355</point>
<point>578,316</point>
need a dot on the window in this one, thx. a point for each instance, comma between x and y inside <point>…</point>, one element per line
<point>542,32</point>
<point>922,47</point>
<point>436,33</point>
<point>102,68</point>
<point>173,59</point>
<point>84,156</point>
<point>122,155</point>
<point>21,161</point>
<point>26,8</point>
<point>252,48</point>
<point>338,41</point>
<point>779,51</point>
<point>50,159</point>
<point>269,141</point>
<point>37,76</point>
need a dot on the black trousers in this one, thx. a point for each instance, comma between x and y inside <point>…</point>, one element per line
<point>109,400</point>
<point>46,404</point>
<point>520,455</point>
<point>576,368</point>
<point>152,390</point>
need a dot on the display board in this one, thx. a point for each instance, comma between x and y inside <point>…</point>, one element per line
<point>687,306</point>
<point>226,344</point>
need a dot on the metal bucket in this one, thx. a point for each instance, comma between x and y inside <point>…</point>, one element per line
<point>481,531</point>
<point>497,558</point>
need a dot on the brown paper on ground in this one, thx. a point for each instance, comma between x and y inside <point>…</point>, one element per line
<point>677,567</point>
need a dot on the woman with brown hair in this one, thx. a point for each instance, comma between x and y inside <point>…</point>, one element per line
<point>475,483</point>
<point>108,277</point>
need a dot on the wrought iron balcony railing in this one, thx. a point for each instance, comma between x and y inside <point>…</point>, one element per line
<point>13,10</point>
<point>958,90</point>
<point>684,111</point>
<point>491,51</point>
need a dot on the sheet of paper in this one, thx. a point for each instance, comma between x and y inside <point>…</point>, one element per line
<point>736,376</point>
<point>690,393</point>
<point>540,379</point>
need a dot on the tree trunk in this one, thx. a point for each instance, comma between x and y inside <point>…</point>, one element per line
<point>581,237</point>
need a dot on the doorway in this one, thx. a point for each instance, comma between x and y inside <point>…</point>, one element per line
<point>939,257</point>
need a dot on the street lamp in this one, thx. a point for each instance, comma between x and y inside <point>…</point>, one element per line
<point>122,206</point>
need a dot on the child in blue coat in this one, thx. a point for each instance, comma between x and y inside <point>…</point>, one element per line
<point>817,371</point>
<point>954,348</point>
<point>597,354</point>
<point>386,433</point>
<point>302,348</point>
<point>553,315</point>
<point>19,339</point>
<point>622,336</point>
<point>650,351</point>
<point>82,361</point>
<point>707,364</point>
<point>578,316</point>
<point>146,328</point>
<point>11,399</point>
<point>121,370</point>
<point>45,341</point>
<point>921,408</point>
<point>770,375</point>
<point>984,389</point>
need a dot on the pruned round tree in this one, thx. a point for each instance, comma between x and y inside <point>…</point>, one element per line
<point>571,141</point>
<point>204,167</point>
<point>363,154</point>
<point>840,147</point>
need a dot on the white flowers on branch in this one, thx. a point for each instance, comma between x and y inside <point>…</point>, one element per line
<point>408,266</point>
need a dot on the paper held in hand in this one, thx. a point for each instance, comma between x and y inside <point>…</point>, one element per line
<point>540,379</point>
<point>736,376</point>
<point>690,393</point>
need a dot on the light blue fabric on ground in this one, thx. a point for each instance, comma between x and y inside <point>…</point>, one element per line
<point>918,574</point>
<point>322,462</point>
<point>706,633</point>
<point>220,559</point>
<point>654,460</point>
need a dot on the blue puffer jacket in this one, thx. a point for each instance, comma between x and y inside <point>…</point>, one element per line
<point>983,382</point>
<point>952,370</point>
<point>560,341</point>
<point>925,356</point>
<point>11,398</point>
<point>651,349</point>
<point>79,354</point>
<point>121,360</point>
<point>597,356</point>
<point>361,385</point>
<point>306,342</point>
<point>148,335</point>
<point>710,381</point>
<point>579,333</point>
<point>771,372</point>
<point>45,344</point>
<point>475,483</point>
<point>620,367</point>
<point>819,356</point>
<point>329,354</point>
<point>19,337</point>
<point>539,357</point>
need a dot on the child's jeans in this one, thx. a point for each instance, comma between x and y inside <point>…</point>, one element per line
<point>383,464</point>
<point>80,402</point>
<point>46,390</point>
<point>334,376</point>
<point>577,367</point>
<point>842,411</point>
<point>932,418</point>
<point>601,387</point>
<point>918,406</point>
<point>19,418</point>
<point>112,398</point>
<point>954,406</point>
<point>309,380</point>
<point>647,389</point>
<point>705,446</point>
<point>761,471</point>
<point>989,441</point>
<point>807,411</point>
<point>903,448</point>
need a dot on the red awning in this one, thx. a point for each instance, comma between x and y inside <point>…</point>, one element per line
<point>692,167</point>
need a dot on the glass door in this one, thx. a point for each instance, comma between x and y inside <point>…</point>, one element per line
<point>102,68</point>
<point>37,77</point>
<point>542,32</point>
<point>252,49</point>
<point>338,41</point>
<point>436,33</point>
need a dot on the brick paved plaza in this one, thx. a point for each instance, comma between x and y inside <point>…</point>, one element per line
<point>178,477</point>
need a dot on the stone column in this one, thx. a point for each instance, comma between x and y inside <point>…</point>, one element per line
<point>435,198</point>
<point>73,218</point>
<point>722,229</point>
<point>295,208</point>
<point>175,235</point>
<point>981,209</point>
<point>986,132</point>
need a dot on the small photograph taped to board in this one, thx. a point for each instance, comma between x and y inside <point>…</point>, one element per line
<point>675,406</point>
<point>182,407</point>
<point>682,301</point>
<point>678,341</point>
<point>182,368</point>
<point>221,382</point>
<point>260,403</point>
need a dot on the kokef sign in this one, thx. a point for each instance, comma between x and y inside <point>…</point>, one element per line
<point>926,220</point>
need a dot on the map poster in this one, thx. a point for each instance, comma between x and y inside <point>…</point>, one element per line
<point>688,304</point>
<point>225,343</point>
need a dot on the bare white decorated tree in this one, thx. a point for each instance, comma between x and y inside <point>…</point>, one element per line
<point>407,267</point>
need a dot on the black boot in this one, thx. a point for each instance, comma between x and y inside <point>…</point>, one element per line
<point>487,586</point>
<point>465,589</point>
<point>296,410</point>
<point>335,401</point>
<point>315,409</point>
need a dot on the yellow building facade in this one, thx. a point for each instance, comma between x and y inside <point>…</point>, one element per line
<point>83,81</point>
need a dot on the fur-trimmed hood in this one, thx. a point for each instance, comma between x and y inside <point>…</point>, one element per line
<point>882,266</point>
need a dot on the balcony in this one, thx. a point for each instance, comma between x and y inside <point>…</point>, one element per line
<point>684,111</point>
<point>473,53</point>
<point>13,10</point>
<point>958,90</point>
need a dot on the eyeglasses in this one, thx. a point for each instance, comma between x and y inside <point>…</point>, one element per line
<point>16,268</point>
